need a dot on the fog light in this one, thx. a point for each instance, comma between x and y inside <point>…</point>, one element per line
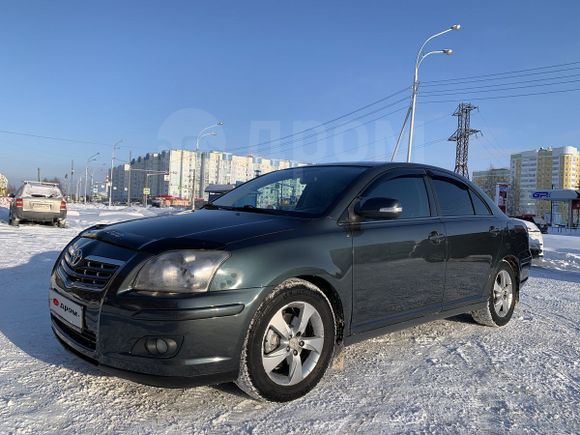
<point>161,347</point>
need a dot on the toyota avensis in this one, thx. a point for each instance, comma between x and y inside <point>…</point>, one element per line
<point>267,283</point>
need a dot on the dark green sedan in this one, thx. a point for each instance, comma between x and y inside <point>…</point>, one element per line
<point>265,285</point>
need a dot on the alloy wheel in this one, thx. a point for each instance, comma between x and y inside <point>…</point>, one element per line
<point>292,343</point>
<point>502,293</point>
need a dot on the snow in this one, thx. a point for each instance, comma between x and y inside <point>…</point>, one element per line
<point>445,376</point>
<point>560,253</point>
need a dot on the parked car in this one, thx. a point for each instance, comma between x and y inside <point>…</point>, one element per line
<point>264,285</point>
<point>536,238</point>
<point>542,226</point>
<point>38,202</point>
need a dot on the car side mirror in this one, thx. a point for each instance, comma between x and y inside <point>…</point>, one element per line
<point>379,208</point>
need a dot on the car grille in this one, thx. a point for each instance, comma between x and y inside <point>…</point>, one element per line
<point>88,273</point>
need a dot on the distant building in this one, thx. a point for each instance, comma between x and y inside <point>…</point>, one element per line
<point>488,179</point>
<point>187,174</point>
<point>3,185</point>
<point>542,170</point>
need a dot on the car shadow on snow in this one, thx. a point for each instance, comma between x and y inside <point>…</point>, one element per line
<point>4,212</point>
<point>24,314</point>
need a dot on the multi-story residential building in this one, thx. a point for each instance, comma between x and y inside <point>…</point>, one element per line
<point>542,170</point>
<point>489,178</point>
<point>186,174</point>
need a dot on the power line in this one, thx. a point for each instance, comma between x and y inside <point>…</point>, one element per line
<point>500,86</point>
<point>360,109</point>
<point>351,149</point>
<point>514,76</point>
<point>480,76</point>
<point>280,147</point>
<point>498,97</point>
<point>61,139</point>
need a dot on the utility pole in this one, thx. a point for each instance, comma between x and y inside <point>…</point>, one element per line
<point>70,180</point>
<point>461,136</point>
<point>115,146</point>
<point>129,183</point>
<point>38,174</point>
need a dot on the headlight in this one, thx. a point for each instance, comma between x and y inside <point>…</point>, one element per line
<point>186,271</point>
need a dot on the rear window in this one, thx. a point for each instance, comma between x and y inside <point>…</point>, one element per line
<point>41,191</point>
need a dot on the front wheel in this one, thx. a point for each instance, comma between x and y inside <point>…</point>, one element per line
<point>289,344</point>
<point>502,299</point>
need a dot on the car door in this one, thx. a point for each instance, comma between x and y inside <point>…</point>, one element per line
<point>398,264</point>
<point>474,237</point>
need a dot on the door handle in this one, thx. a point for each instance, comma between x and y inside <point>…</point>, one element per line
<point>436,237</point>
<point>494,231</point>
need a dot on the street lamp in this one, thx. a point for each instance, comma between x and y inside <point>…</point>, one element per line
<point>89,160</point>
<point>203,133</point>
<point>421,55</point>
<point>115,147</point>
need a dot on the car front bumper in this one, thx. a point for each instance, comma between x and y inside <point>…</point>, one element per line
<point>207,330</point>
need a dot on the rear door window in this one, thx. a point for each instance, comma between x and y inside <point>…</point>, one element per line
<point>453,197</point>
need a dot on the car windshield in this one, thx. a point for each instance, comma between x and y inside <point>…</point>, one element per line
<point>303,191</point>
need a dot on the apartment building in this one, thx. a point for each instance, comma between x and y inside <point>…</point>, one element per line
<point>489,178</point>
<point>542,170</point>
<point>186,174</point>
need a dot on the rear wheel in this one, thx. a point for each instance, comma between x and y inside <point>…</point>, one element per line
<point>502,299</point>
<point>289,345</point>
<point>13,221</point>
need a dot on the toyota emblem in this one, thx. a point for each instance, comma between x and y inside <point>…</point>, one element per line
<point>76,255</point>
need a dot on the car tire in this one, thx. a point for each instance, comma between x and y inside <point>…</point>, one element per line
<point>290,343</point>
<point>61,223</point>
<point>13,221</point>
<point>502,299</point>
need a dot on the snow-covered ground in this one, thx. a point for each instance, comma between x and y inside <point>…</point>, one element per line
<point>446,376</point>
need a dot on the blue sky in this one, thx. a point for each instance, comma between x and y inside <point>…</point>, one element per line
<point>155,73</point>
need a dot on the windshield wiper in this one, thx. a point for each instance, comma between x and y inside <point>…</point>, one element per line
<point>254,209</point>
<point>210,206</point>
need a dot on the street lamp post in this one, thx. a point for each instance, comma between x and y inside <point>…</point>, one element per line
<point>89,160</point>
<point>420,57</point>
<point>203,133</point>
<point>115,147</point>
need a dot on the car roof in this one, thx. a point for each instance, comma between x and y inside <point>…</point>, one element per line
<point>387,165</point>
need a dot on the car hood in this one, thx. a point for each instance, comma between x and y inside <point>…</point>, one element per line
<point>203,229</point>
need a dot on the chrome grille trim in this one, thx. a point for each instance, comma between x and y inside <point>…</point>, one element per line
<point>92,273</point>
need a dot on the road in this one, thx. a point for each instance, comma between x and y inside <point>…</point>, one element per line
<point>445,376</point>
